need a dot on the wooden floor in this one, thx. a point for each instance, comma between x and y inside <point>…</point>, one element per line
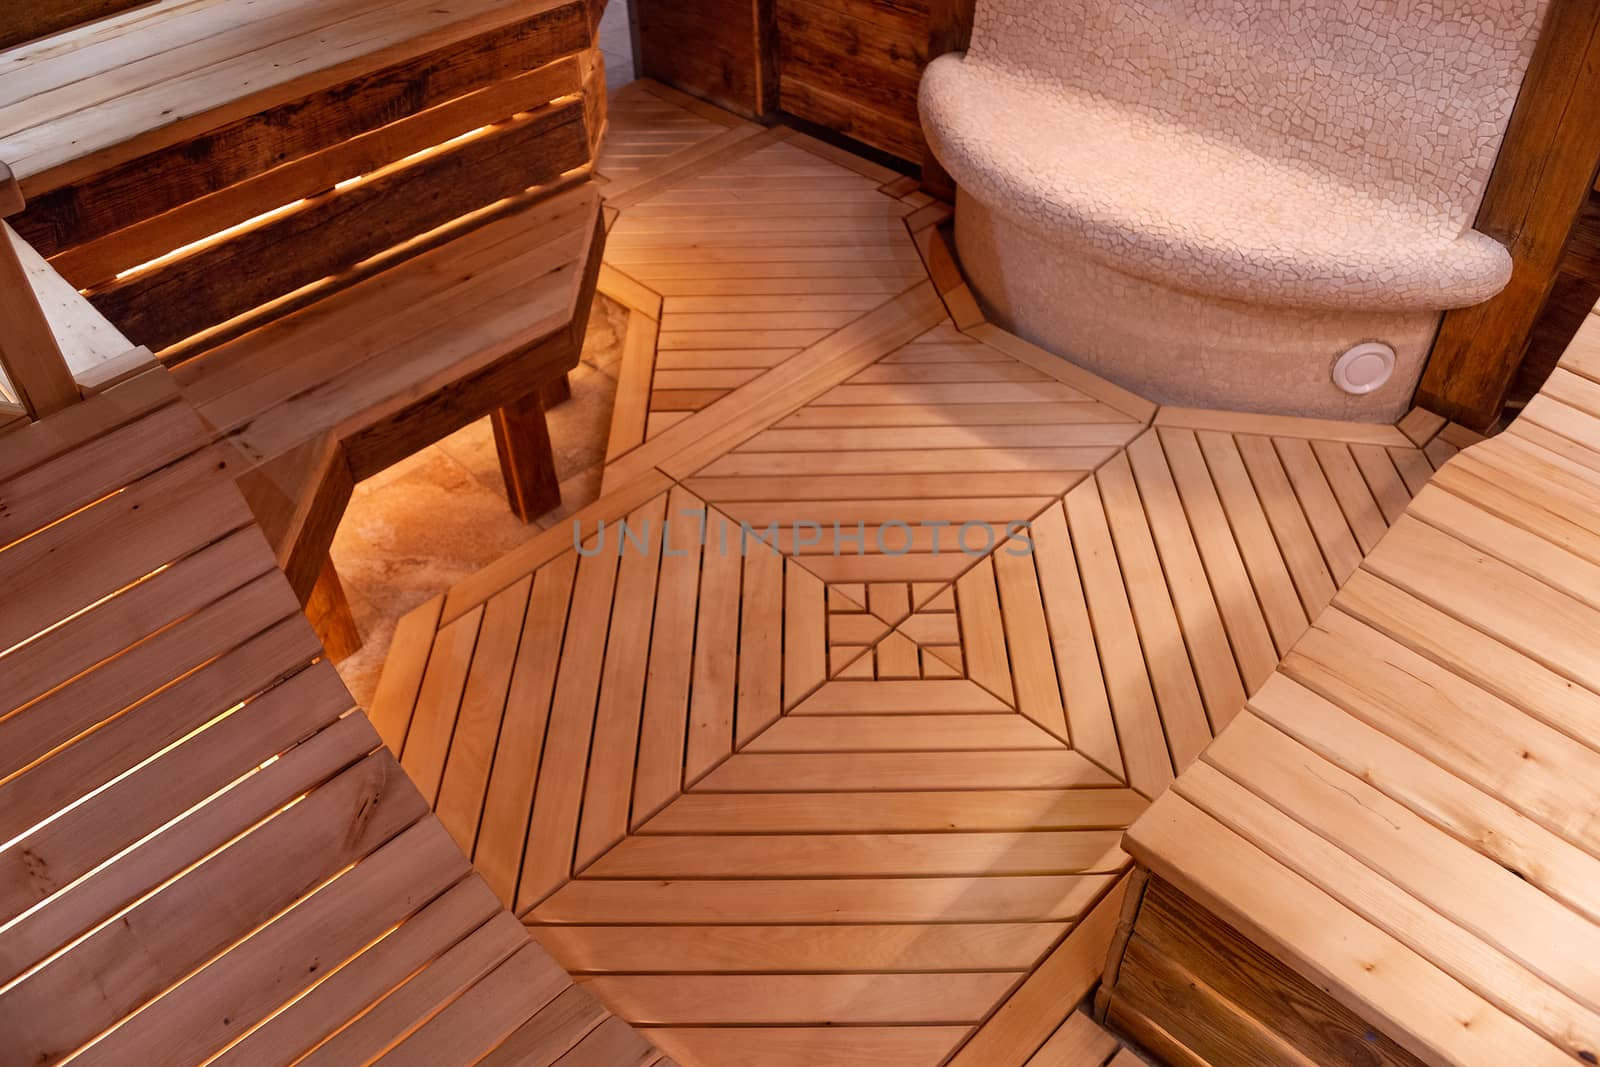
<point>1406,810</point>
<point>206,854</point>
<point>850,796</point>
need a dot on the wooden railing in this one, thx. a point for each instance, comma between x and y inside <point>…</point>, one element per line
<point>32,358</point>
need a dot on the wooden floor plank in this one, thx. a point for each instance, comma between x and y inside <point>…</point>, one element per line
<point>613,753</point>
<point>880,812</point>
<point>983,643</point>
<point>1183,715</point>
<point>1225,570</point>
<point>1078,1040</point>
<point>1133,703</point>
<point>783,1046</point>
<point>807,772</point>
<point>1018,1029</point>
<point>1321,507</point>
<point>805,635</point>
<point>1355,498</point>
<point>1037,689</point>
<point>861,855</point>
<point>1290,528</point>
<point>558,801</point>
<point>665,718</point>
<point>802,999</point>
<point>519,751</point>
<point>465,780</point>
<point>1087,706</point>
<point>1198,615</point>
<point>952,732</point>
<point>760,649</point>
<point>1003,898</point>
<point>714,681</point>
<point>1388,486</point>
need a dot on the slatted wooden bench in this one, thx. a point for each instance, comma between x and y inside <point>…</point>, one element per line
<point>68,348</point>
<point>1392,856</point>
<point>352,227</point>
<point>318,400</point>
<point>208,856</point>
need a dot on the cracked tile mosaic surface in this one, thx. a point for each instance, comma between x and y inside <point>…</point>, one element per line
<point>1316,155</point>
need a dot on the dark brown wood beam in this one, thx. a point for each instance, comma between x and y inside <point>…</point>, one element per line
<point>527,460</point>
<point>1540,182</point>
<point>949,30</point>
<point>28,20</point>
<point>329,613</point>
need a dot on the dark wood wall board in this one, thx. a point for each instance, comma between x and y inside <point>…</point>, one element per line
<point>718,50</point>
<point>1572,297</point>
<point>855,68</point>
<point>96,261</point>
<point>171,301</point>
<point>1205,987</point>
<point>949,30</point>
<point>950,25</point>
<point>58,218</point>
<point>1535,193</point>
<point>28,20</point>
<point>816,106</point>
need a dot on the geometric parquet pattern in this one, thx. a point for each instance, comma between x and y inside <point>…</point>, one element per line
<point>829,761</point>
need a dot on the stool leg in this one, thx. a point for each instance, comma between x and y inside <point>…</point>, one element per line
<point>556,391</point>
<point>526,460</point>
<point>330,615</point>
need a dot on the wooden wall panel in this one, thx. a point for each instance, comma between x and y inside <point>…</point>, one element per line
<point>26,20</point>
<point>723,51</point>
<point>853,66</point>
<point>1198,992</point>
<point>1539,186</point>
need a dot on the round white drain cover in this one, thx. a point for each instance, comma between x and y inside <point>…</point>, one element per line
<point>1364,368</point>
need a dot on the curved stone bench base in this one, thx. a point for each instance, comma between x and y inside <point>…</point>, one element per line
<point>1177,347</point>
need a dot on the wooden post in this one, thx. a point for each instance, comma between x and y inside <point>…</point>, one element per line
<point>1540,181</point>
<point>33,361</point>
<point>557,390</point>
<point>329,611</point>
<point>949,30</point>
<point>527,461</point>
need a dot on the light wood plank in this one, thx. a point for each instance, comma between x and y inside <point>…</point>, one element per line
<point>608,790</point>
<point>1299,547</point>
<point>1133,703</point>
<point>1027,1019</point>
<point>1005,898</point>
<point>879,812</point>
<point>1198,615</point>
<point>862,856</point>
<point>664,727</point>
<point>519,750</point>
<point>1183,715</point>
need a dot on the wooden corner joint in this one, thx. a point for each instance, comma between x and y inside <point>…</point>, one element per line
<point>11,198</point>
